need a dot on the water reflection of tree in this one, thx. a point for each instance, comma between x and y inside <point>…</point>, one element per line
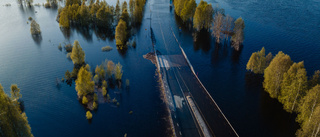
<point>220,52</point>
<point>66,32</point>
<point>253,81</point>
<point>26,11</point>
<point>236,54</point>
<point>272,112</point>
<point>87,32</point>
<point>37,39</point>
<point>202,40</point>
<point>123,52</point>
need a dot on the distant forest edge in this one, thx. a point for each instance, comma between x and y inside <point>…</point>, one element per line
<point>100,15</point>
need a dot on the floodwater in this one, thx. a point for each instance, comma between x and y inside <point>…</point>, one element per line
<point>34,64</point>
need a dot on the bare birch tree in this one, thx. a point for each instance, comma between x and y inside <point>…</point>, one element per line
<point>217,26</point>
<point>228,21</point>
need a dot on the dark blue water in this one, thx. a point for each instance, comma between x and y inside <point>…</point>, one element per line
<point>35,63</point>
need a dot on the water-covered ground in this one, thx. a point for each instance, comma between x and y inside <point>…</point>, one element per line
<point>35,63</point>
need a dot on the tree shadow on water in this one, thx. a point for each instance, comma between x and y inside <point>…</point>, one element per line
<point>123,52</point>
<point>104,33</point>
<point>66,32</point>
<point>202,40</point>
<point>37,39</point>
<point>219,53</point>
<point>84,31</point>
<point>253,81</point>
<point>236,54</point>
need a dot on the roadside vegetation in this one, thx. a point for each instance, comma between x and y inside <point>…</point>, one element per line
<point>204,17</point>
<point>287,82</point>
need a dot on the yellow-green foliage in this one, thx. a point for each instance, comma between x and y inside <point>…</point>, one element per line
<point>121,34</point>
<point>104,16</point>
<point>238,35</point>
<point>35,28</point>
<point>293,86</point>
<point>13,123</point>
<point>178,6</point>
<point>104,84</point>
<point>309,104</point>
<point>15,92</point>
<point>67,75</point>
<point>311,126</point>
<point>84,83</point>
<point>89,115</point>
<point>99,13</point>
<point>203,16</point>
<point>257,62</point>
<point>96,79</point>
<point>100,72</point>
<point>114,100</point>
<point>95,97</point>
<point>273,74</point>
<point>77,54</point>
<point>95,105</point>
<point>106,48</point>
<point>315,80</point>
<point>84,14</point>
<point>104,91</point>
<point>64,18</point>
<point>188,10</point>
<point>15,95</point>
<point>68,47</point>
<point>84,100</point>
<point>71,2</point>
<point>118,71</point>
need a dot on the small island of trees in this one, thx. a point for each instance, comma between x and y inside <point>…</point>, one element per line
<point>87,86</point>
<point>35,28</point>
<point>287,81</point>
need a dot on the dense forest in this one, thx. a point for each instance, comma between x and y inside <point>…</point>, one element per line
<point>103,16</point>
<point>13,121</point>
<point>287,82</point>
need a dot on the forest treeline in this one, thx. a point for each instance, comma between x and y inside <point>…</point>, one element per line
<point>13,121</point>
<point>287,81</point>
<point>100,14</point>
<point>205,17</point>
